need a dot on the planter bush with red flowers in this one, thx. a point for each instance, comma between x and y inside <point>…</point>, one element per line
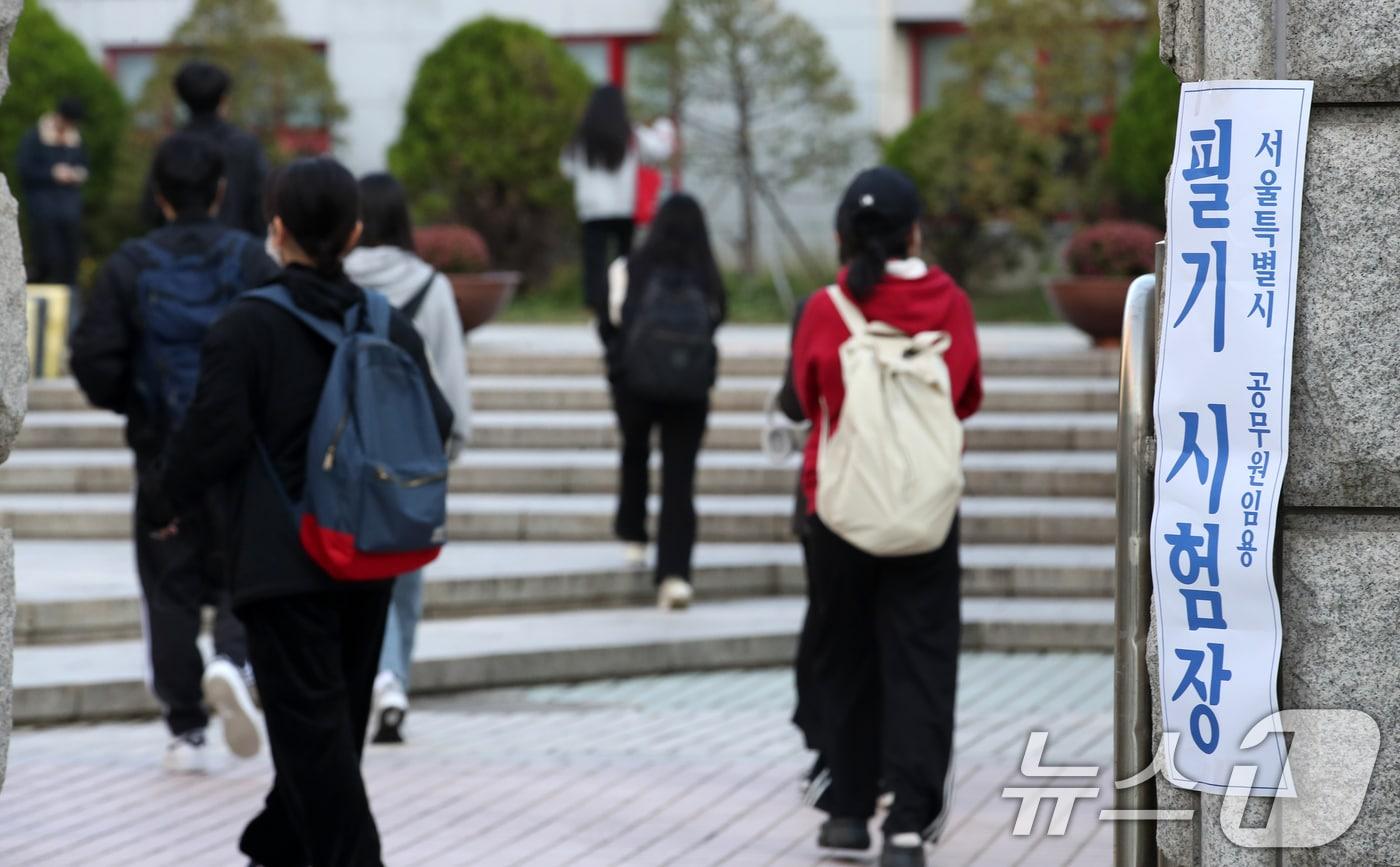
<point>461,253</point>
<point>1103,259</point>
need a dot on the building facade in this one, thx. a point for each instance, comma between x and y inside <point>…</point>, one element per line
<point>893,54</point>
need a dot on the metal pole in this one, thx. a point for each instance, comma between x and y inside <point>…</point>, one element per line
<point>1135,842</point>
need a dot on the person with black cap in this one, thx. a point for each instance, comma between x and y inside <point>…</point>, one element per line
<point>204,89</point>
<point>53,167</point>
<point>885,674</point>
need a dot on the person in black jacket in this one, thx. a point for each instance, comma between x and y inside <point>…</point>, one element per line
<point>203,87</point>
<point>675,255</point>
<point>125,358</point>
<point>314,641</point>
<point>53,167</point>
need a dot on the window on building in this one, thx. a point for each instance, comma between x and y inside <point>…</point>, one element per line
<point>930,54</point>
<point>626,61</point>
<point>592,55</point>
<point>301,129</point>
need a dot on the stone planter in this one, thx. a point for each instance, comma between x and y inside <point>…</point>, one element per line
<point>482,296</point>
<point>1094,305</point>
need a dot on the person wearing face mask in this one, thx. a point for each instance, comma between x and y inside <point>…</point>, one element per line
<point>136,352</point>
<point>314,641</point>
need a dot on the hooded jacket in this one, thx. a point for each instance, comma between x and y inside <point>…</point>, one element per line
<point>913,297</point>
<point>398,275</point>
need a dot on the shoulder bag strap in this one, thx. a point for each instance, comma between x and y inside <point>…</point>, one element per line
<point>279,296</point>
<point>413,305</point>
<point>850,313</point>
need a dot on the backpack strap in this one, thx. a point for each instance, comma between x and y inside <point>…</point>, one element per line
<point>280,297</point>
<point>414,304</point>
<point>158,256</point>
<point>376,312</point>
<point>850,313</point>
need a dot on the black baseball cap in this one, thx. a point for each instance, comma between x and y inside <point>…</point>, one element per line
<point>883,195</point>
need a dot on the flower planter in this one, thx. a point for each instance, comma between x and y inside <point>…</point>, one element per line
<point>483,295</point>
<point>1094,305</point>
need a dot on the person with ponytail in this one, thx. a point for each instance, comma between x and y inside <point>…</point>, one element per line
<point>314,641</point>
<point>885,670</point>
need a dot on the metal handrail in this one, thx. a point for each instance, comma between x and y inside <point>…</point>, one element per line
<point>1135,841</point>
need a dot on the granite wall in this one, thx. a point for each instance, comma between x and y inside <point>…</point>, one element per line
<point>14,376</point>
<point>1339,561</point>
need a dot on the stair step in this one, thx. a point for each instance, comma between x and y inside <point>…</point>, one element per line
<point>588,517</point>
<point>64,683</point>
<point>993,431</point>
<point>733,394</point>
<point>72,471</point>
<point>87,590</point>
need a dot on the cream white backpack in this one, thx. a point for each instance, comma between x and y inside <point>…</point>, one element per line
<point>890,478</point>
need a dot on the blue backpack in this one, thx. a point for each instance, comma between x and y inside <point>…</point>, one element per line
<point>177,298</point>
<point>375,504</point>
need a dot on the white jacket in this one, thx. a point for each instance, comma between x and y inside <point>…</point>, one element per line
<point>398,275</point>
<point>600,194</point>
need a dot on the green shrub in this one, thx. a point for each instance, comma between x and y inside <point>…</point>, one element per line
<point>489,113</point>
<point>47,63</point>
<point>1140,146</point>
<point>975,165</point>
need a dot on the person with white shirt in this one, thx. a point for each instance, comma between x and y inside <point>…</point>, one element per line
<point>603,160</point>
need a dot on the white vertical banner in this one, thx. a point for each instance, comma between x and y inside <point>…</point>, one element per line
<point>1221,409</point>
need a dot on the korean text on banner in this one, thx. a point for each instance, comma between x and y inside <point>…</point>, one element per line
<point>1233,208</point>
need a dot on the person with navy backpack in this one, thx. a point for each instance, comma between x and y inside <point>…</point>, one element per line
<point>665,304</point>
<point>317,411</point>
<point>136,351</point>
<point>386,262</point>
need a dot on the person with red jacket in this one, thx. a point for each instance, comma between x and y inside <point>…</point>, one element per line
<point>886,671</point>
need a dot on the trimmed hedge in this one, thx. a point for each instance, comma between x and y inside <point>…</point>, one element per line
<point>489,113</point>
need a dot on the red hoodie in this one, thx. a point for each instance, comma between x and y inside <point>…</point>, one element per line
<point>913,298</point>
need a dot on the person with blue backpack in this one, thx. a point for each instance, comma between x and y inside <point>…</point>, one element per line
<point>317,411</point>
<point>136,351</point>
<point>665,303</point>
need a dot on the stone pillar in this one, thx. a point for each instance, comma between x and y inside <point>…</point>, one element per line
<point>14,377</point>
<point>1339,558</point>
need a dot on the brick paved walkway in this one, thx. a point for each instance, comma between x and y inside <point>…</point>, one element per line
<point>695,769</point>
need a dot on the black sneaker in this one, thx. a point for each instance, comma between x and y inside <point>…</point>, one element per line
<point>846,835</point>
<point>903,850</point>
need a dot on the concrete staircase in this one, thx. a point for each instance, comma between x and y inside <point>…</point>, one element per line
<point>531,589</point>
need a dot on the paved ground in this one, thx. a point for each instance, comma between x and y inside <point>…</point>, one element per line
<point>688,770</point>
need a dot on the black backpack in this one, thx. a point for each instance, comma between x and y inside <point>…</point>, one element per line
<point>668,352</point>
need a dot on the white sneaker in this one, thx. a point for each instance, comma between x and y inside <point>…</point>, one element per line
<point>187,753</point>
<point>389,709</point>
<point>634,554</point>
<point>674,594</point>
<point>227,693</point>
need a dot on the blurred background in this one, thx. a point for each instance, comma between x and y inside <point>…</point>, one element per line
<point>1023,121</point>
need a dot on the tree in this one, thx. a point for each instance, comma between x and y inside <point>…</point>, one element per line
<point>760,100</point>
<point>277,78</point>
<point>1056,64</point>
<point>1143,135</point>
<point>490,111</point>
<point>975,164</point>
<point>48,63</point>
